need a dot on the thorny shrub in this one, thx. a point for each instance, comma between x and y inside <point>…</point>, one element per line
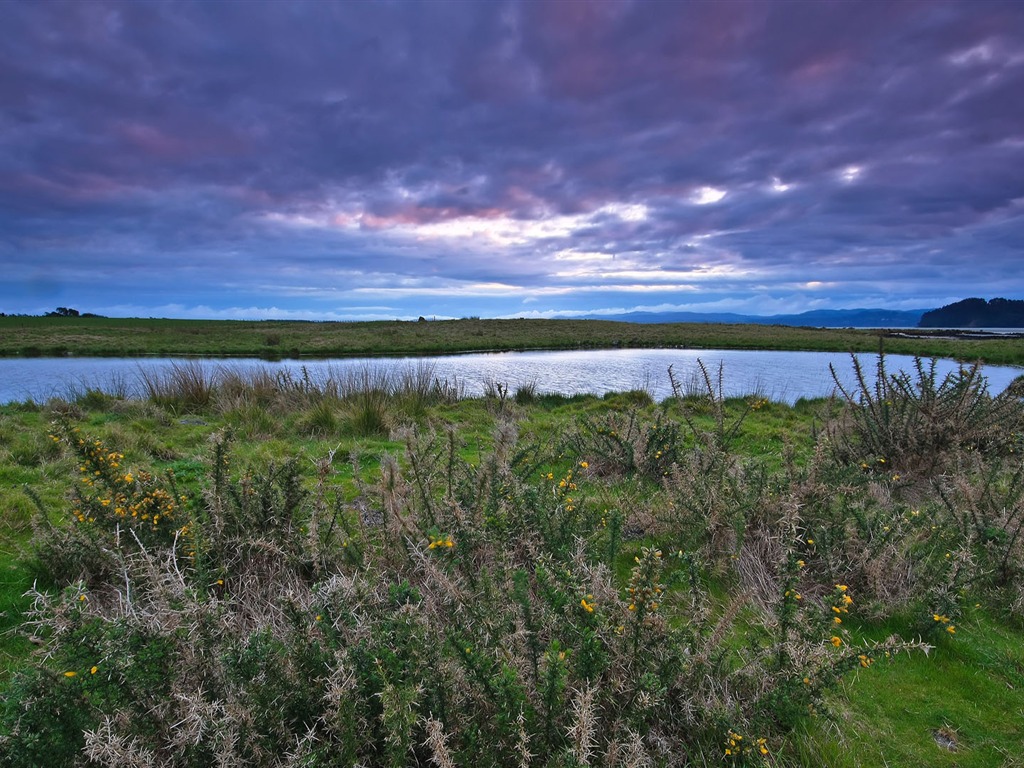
<point>907,423</point>
<point>464,614</point>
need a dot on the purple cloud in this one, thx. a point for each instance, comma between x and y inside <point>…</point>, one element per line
<point>446,158</point>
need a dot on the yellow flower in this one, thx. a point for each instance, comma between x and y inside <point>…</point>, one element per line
<point>800,563</point>
<point>841,587</point>
<point>584,464</point>
<point>836,641</point>
<point>70,674</point>
<point>588,607</point>
<point>951,629</point>
<point>93,670</point>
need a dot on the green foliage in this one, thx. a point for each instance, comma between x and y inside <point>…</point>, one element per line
<point>44,716</point>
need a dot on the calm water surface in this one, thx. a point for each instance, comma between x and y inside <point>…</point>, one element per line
<point>782,376</point>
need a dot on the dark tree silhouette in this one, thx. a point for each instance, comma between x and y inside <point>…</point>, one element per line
<point>976,313</point>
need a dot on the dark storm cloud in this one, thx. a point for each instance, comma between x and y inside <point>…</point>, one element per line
<point>327,154</point>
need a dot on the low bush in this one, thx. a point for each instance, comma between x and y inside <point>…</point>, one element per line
<point>643,589</point>
<point>470,614</point>
<point>908,423</point>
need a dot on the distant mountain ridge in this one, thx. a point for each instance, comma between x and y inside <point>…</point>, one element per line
<point>817,318</point>
<point>976,313</point>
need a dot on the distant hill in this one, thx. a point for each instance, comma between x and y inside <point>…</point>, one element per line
<point>976,313</point>
<point>818,318</point>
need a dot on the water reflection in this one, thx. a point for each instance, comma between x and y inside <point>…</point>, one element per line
<point>782,376</point>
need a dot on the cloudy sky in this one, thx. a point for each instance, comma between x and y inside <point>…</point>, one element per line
<point>383,159</point>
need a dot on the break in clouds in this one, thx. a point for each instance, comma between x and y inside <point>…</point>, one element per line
<point>394,159</point>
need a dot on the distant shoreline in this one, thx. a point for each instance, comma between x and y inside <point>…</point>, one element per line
<point>137,337</point>
<point>953,333</point>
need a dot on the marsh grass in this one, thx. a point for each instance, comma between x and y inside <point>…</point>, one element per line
<point>183,387</point>
<point>127,337</point>
<point>364,402</point>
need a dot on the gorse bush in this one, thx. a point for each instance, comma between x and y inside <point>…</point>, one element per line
<point>915,495</point>
<point>467,614</point>
<point>634,592</point>
<point>911,423</point>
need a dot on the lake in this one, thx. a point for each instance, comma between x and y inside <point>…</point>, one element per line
<point>781,376</point>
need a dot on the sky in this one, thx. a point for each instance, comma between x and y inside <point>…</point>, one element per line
<point>382,159</point>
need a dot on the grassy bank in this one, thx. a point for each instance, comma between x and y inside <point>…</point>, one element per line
<point>391,575</point>
<point>105,337</point>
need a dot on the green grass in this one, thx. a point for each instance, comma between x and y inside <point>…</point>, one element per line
<point>969,690</point>
<point>107,337</point>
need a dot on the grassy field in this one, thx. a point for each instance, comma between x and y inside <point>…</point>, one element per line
<point>395,576</point>
<point>106,337</point>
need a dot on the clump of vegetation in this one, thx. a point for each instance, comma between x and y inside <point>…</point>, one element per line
<point>906,423</point>
<point>479,620</point>
<point>644,588</point>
